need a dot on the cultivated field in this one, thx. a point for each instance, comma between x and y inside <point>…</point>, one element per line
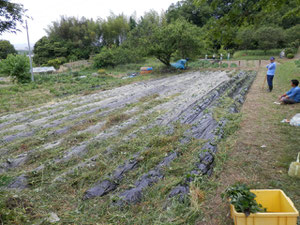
<point>130,155</point>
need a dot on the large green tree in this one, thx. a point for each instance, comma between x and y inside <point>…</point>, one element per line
<point>6,48</point>
<point>293,35</point>
<point>10,15</point>
<point>229,18</point>
<point>166,40</point>
<point>115,29</point>
<point>47,49</point>
<point>269,37</point>
<point>71,38</point>
<point>198,15</point>
<point>80,36</point>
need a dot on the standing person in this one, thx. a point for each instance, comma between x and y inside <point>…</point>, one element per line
<point>271,72</point>
<point>293,95</point>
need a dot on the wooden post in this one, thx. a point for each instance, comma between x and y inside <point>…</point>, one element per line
<point>29,50</point>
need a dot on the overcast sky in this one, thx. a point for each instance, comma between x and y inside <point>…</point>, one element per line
<point>44,12</point>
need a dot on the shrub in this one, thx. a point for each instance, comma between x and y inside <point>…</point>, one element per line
<point>105,58</point>
<point>16,66</point>
<point>293,35</point>
<point>200,64</point>
<point>224,65</point>
<point>101,71</point>
<point>242,53</point>
<point>290,55</point>
<point>75,74</point>
<point>215,65</point>
<point>295,44</point>
<point>115,56</point>
<point>233,65</point>
<point>56,62</point>
<point>290,51</point>
<point>72,58</point>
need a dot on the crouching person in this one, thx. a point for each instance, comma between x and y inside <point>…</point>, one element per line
<point>293,95</point>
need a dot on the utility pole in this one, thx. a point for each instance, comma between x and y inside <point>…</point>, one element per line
<point>31,70</point>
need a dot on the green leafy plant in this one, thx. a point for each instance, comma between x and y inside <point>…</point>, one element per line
<point>233,65</point>
<point>16,66</point>
<point>101,71</point>
<point>242,199</point>
<point>215,65</point>
<point>56,62</point>
<point>290,51</point>
<point>224,65</point>
<point>290,55</point>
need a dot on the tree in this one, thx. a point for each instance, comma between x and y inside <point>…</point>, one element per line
<point>269,37</point>
<point>132,23</point>
<point>10,14</point>
<point>6,48</point>
<point>115,30</point>
<point>71,38</point>
<point>230,16</point>
<point>293,34</point>
<point>167,39</point>
<point>190,12</point>
<point>79,36</point>
<point>246,38</point>
<point>16,66</point>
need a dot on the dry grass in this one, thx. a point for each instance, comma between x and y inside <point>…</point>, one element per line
<point>115,119</point>
<point>197,196</point>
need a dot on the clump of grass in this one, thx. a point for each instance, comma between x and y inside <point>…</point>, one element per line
<point>115,119</point>
<point>75,139</point>
<point>160,141</point>
<point>5,180</point>
<point>15,210</point>
<point>149,98</point>
<point>197,196</point>
<point>200,64</point>
<point>220,111</point>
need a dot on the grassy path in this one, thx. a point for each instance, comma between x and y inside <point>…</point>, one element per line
<point>241,157</point>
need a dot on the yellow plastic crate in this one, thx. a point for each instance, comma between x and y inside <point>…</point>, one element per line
<point>280,210</point>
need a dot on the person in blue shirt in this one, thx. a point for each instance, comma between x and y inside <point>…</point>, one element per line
<point>293,95</point>
<point>271,72</point>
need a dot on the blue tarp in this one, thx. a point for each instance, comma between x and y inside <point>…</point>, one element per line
<point>180,64</point>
